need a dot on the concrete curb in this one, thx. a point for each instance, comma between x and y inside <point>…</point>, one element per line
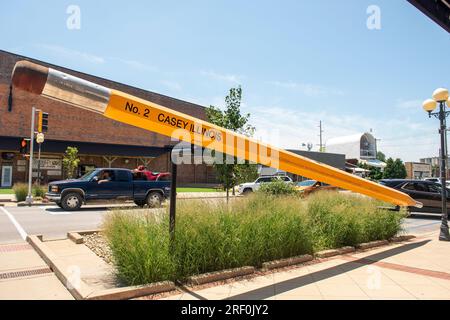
<point>402,238</point>
<point>220,275</point>
<point>133,292</point>
<point>78,236</point>
<point>334,252</point>
<point>372,244</point>
<point>88,232</point>
<point>75,237</point>
<point>79,289</point>
<point>281,263</point>
<point>35,204</point>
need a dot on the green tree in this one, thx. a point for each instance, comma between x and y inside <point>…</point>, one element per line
<point>381,156</point>
<point>70,161</point>
<point>231,118</point>
<point>245,173</point>
<point>374,173</point>
<point>395,169</point>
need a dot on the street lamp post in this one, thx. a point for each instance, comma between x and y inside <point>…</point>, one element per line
<point>441,97</point>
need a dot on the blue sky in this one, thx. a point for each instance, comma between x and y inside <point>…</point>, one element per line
<point>298,62</point>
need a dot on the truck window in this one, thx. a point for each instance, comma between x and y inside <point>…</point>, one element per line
<point>122,176</point>
<point>106,175</point>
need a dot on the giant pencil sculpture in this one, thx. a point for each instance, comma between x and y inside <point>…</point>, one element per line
<point>134,111</point>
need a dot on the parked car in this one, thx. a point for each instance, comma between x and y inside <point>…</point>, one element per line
<point>108,184</point>
<point>307,187</point>
<point>427,192</point>
<point>249,187</point>
<point>432,179</point>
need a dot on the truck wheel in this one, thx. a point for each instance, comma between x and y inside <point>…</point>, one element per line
<point>71,201</point>
<point>59,204</point>
<point>247,191</point>
<point>154,199</point>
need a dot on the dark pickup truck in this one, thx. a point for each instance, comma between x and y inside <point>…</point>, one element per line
<point>109,184</point>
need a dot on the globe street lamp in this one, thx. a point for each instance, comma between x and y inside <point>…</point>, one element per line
<point>441,97</point>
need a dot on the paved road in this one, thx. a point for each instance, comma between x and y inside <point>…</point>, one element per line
<point>50,221</point>
<point>53,222</point>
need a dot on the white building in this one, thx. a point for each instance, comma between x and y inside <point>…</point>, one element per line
<point>361,147</point>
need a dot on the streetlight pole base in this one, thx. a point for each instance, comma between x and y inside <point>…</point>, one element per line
<point>444,235</point>
<point>29,200</point>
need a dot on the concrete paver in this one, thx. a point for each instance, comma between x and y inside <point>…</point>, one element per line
<point>397,271</point>
<point>26,276</point>
<point>43,287</point>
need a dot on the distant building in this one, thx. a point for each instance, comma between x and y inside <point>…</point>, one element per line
<point>435,163</point>
<point>357,148</point>
<point>418,170</point>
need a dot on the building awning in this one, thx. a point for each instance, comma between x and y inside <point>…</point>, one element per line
<point>374,163</point>
<point>87,148</point>
<point>437,10</point>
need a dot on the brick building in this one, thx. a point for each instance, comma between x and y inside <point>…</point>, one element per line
<point>101,142</point>
<point>418,170</point>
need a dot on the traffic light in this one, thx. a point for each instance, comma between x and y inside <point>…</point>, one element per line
<point>43,122</point>
<point>23,146</point>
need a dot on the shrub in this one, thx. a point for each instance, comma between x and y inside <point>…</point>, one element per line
<point>213,236</point>
<point>39,191</point>
<point>21,191</point>
<point>249,232</point>
<point>277,187</point>
<point>140,247</point>
<point>339,220</point>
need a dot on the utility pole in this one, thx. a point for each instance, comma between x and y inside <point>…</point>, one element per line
<point>320,135</point>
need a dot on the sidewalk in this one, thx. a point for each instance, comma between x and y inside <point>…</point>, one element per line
<point>24,275</point>
<point>418,269</point>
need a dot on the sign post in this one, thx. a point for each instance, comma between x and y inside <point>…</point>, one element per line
<point>39,139</point>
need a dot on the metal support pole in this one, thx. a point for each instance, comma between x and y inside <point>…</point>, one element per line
<point>39,165</point>
<point>173,201</point>
<point>444,232</point>
<point>29,198</point>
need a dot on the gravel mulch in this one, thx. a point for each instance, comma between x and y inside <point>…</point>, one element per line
<point>98,244</point>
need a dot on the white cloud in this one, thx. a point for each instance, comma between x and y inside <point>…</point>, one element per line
<point>171,85</point>
<point>286,128</point>
<point>409,104</point>
<point>135,64</point>
<point>308,89</point>
<point>66,52</point>
<point>232,78</point>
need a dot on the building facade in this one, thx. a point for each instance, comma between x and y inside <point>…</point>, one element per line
<point>418,170</point>
<point>435,163</point>
<point>101,142</point>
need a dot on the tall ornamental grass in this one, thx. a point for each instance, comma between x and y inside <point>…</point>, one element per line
<point>211,236</point>
<point>21,191</point>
